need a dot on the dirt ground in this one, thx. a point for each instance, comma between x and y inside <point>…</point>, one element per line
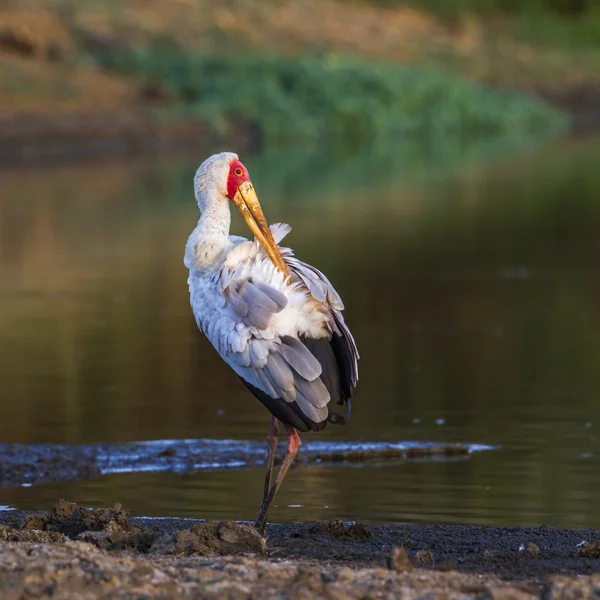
<point>77,552</point>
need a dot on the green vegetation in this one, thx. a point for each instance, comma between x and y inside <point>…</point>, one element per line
<point>329,97</point>
<point>393,84</point>
<point>581,33</point>
<point>567,24</point>
<point>486,7</point>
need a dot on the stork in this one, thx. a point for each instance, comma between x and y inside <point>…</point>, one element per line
<point>275,320</point>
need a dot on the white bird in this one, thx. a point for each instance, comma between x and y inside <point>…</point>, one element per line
<point>276,321</point>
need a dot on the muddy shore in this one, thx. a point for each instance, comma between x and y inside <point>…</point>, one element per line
<point>72,551</point>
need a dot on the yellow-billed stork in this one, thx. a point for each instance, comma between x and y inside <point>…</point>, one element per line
<point>276,321</point>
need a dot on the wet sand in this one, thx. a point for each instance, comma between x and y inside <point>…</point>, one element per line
<point>73,551</point>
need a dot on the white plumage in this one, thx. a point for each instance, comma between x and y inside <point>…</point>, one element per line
<point>246,309</point>
<point>276,321</point>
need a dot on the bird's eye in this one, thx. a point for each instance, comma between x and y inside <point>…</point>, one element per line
<point>238,172</point>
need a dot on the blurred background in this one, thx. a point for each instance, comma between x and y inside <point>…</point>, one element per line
<point>437,159</point>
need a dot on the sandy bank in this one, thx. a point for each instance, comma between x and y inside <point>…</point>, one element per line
<point>73,551</point>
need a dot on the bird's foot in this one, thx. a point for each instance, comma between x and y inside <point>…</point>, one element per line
<point>261,526</point>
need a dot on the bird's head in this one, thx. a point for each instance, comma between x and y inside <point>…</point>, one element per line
<point>223,177</point>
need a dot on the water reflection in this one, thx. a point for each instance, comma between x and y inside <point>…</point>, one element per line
<point>472,289</point>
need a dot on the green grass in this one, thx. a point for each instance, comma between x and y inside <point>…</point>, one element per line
<point>565,24</point>
<point>553,31</point>
<point>331,97</point>
<point>487,7</point>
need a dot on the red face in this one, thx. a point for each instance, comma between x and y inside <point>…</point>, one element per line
<point>238,174</point>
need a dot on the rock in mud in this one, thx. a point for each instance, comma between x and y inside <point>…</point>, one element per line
<point>532,549</point>
<point>35,522</point>
<point>338,530</point>
<point>425,557</point>
<point>132,540</point>
<point>399,561</point>
<point>9,534</point>
<point>213,537</point>
<point>589,550</point>
<point>107,528</point>
<point>111,529</point>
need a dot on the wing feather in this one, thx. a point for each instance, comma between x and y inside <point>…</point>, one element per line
<point>342,341</point>
<point>279,231</point>
<point>265,383</point>
<point>310,410</point>
<point>298,356</point>
<point>255,304</point>
<point>238,305</point>
<point>280,373</point>
<point>319,286</point>
<point>314,391</point>
<point>276,296</point>
<point>246,297</point>
<point>259,350</point>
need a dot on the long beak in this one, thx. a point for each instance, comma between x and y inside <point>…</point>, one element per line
<point>247,203</point>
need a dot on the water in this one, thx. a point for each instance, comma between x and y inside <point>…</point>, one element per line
<point>470,276</point>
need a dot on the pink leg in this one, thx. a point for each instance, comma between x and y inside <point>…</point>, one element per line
<point>293,445</point>
<point>272,440</point>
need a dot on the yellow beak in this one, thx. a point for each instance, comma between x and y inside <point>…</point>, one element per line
<point>247,203</point>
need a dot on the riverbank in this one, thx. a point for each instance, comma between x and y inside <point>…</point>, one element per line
<point>70,87</point>
<point>72,550</point>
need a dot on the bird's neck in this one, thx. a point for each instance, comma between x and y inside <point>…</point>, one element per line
<point>210,240</point>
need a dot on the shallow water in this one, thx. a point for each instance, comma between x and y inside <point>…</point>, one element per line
<point>470,276</point>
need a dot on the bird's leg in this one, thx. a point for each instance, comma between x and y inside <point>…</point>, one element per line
<point>272,439</point>
<point>292,449</point>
